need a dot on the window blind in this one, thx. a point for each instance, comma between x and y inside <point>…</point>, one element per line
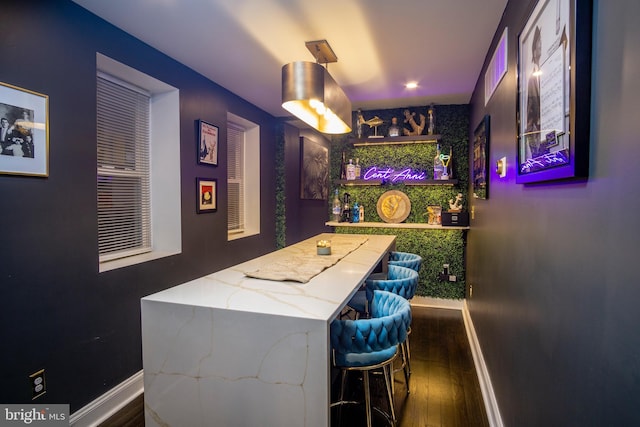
<point>124,206</point>
<point>235,177</point>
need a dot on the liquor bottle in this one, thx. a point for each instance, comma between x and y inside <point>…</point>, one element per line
<point>361,213</point>
<point>351,171</point>
<point>438,167</point>
<point>394,129</point>
<point>358,169</point>
<point>355,215</point>
<point>343,170</point>
<point>346,208</point>
<point>432,120</point>
<point>336,209</point>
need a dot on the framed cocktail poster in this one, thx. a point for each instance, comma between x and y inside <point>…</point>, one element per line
<point>24,132</point>
<point>207,143</point>
<point>554,80</point>
<point>207,195</point>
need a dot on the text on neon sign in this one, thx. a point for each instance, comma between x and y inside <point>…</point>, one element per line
<point>408,174</point>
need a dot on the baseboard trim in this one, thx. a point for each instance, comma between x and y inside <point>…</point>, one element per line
<point>489,397</point>
<point>454,304</point>
<point>105,406</point>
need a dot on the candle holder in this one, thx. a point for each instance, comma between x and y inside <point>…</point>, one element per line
<point>323,247</point>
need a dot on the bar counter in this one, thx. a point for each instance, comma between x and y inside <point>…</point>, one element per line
<point>227,349</point>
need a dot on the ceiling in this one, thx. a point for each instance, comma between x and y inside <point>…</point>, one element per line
<point>380,44</point>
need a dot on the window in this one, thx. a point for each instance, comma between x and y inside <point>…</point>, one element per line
<point>138,170</point>
<point>496,69</point>
<point>243,177</point>
<point>124,220</point>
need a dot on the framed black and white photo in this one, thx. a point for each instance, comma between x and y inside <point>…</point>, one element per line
<point>24,132</point>
<point>207,193</point>
<point>554,78</point>
<point>314,170</point>
<point>207,143</point>
<point>481,160</point>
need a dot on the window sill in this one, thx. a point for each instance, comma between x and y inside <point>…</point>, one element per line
<point>133,260</point>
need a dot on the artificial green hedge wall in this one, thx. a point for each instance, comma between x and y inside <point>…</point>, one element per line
<point>281,216</point>
<point>436,247</point>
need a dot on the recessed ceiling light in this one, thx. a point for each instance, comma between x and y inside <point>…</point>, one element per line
<point>411,85</point>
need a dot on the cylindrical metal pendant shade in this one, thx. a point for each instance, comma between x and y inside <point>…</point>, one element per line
<point>310,93</point>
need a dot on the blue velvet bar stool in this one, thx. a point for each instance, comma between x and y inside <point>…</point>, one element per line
<point>360,301</point>
<point>402,281</point>
<point>366,345</point>
<point>405,259</point>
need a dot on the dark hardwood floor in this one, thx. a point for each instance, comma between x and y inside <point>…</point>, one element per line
<point>444,388</point>
<point>131,415</point>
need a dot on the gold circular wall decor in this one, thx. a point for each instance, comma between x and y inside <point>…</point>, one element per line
<point>393,206</point>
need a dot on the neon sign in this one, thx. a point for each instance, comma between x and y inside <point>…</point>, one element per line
<point>557,158</point>
<point>392,175</point>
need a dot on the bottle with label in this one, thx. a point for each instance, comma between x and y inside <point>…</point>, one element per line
<point>355,216</point>
<point>432,120</point>
<point>343,168</point>
<point>336,208</point>
<point>438,166</point>
<point>361,213</point>
<point>394,129</point>
<point>346,208</point>
<point>358,169</point>
<point>351,171</point>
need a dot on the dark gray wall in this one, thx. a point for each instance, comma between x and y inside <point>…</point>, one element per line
<point>304,218</point>
<point>553,267</point>
<point>56,311</point>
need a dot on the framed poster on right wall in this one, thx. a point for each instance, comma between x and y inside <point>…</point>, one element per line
<point>554,81</point>
<point>481,160</point>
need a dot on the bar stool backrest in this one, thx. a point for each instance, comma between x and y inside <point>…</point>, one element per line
<point>402,281</point>
<point>405,259</point>
<point>391,317</point>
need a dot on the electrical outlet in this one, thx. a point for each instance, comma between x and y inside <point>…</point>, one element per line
<point>38,384</point>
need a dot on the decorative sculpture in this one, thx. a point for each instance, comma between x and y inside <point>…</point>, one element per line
<point>456,205</point>
<point>416,128</point>
<point>374,123</point>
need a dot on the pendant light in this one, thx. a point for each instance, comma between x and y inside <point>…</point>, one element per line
<point>311,94</point>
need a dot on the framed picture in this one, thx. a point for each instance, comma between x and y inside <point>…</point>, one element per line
<point>24,132</point>
<point>207,143</point>
<point>554,80</point>
<point>314,170</point>
<point>207,191</point>
<point>481,160</point>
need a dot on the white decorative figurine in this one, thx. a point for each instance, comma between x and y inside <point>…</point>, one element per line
<point>456,205</point>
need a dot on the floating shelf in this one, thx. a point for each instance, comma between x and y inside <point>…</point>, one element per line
<point>411,225</point>
<point>396,140</point>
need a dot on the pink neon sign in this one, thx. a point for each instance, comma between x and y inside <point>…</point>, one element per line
<point>392,175</point>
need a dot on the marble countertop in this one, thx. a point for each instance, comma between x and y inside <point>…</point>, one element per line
<point>322,297</point>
